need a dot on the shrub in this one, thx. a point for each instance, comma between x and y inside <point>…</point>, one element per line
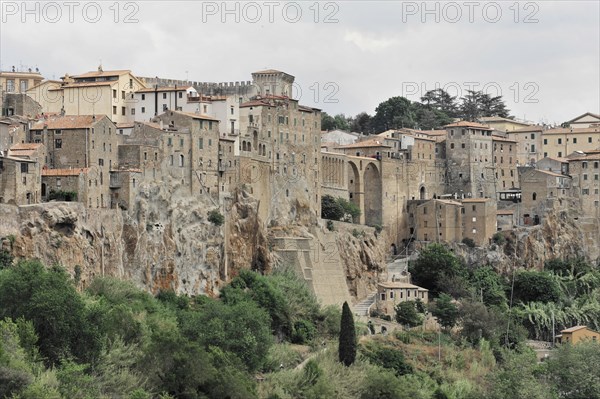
<point>330,208</point>
<point>60,195</point>
<point>330,225</point>
<point>215,217</point>
<point>6,259</point>
<point>498,238</point>
<point>468,242</point>
<point>407,315</point>
<point>304,332</point>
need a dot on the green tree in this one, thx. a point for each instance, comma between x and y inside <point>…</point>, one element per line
<point>331,208</point>
<point>361,123</point>
<point>537,286</point>
<point>215,217</point>
<point>479,322</point>
<point>428,118</point>
<point>347,341</point>
<point>49,299</point>
<point>488,286</point>
<point>327,122</point>
<point>573,370</point>
<point>445,311</point>
<point>435,268</point>
<point>407,315</point>
<point>394,113</point>
<point>517,378</point>
<point>440,100</point>
<point>6,259</point>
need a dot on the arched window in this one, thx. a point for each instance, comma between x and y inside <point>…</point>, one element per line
<point>534,196</point>
<point>181,159</point>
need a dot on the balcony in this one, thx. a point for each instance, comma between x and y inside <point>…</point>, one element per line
<point>115,180</point>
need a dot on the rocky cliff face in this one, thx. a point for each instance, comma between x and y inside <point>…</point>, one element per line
<point>559,236</point>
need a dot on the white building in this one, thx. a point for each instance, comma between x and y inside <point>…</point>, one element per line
<point>149,102</point>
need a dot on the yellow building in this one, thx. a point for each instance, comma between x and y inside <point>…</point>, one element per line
<point>529,144</point>
<point>577,334</point>
<point>561,142</point>
<point>391,293</point>
<point>99,92</point>
<point>586,120</point>
<point>19,82</point>
<point>479,219</point>
<point>503,124</point>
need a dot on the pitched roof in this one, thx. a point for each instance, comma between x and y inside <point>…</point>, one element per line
<point>532,128</point>
<point>86,84</point>
<point>163,89</point>
<point>64,172</point>
<point>197,116</point>
<point>398,284</point>
<point>504,139</point>
<point>550,173</point>
<point>586,114</point>
<point>501,119</point>
<point>572,329</point>
<point>26,146</point>
<point>68,122</point>
<point>365,144</point>
<point>469,124</point>
<point>574,130</point>
<point>468,200</point>
<point>97,74</point>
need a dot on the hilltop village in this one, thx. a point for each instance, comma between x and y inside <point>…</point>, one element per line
<point>101,138</point>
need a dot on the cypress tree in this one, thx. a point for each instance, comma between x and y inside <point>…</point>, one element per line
<point>347,344</point>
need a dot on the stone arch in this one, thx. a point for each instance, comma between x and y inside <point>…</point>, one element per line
<point>422,193</point>
<point>372,190</point>
<point>354,181</point>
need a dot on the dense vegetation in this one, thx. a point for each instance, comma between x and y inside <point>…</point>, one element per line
<point>436,109</point>
<point>267,337</point>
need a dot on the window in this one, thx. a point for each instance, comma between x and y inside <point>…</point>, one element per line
<point>58,143</point>
<point>532,136</point>
<point>209,142</point>
<point>171,160</point>
<point>231,110</point>
<point>114,109</point>
<point>559,141</point>
<point>24,167</point>
<point>123,94</point>
<point>425,223</point>
<point>181,142</point>
<point>452,146</point>
<point>474,231</point>
<point>164,107</point>
<point>560,154</point>
<point>589,139</point>
<point>382,296</point>
<point>180,94</point>
<point>181,160</point>
<point>534,196</point>
<point>545,141</point>
<point>114,93</point>
<point>164,96</point>
<point>474,208</point>
<point>100,162</point>
<point>143,110</point>
<point>585,191</point>
<point>463,145</point>
<point>10,85</point>
<point>391,294</point>
<point>170,141</point>
<point>200,143</point>
<point>585,177</point>
<point>424,210</point>
<point>474,219</point>
<point>574,140</point>
<point>584,165</point>
<point>143,97</point>
<point>132,111</point>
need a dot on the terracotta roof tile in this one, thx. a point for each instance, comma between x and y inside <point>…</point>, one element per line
<point>469,124</point>
<point>68,122</point>
<point>64,172</point>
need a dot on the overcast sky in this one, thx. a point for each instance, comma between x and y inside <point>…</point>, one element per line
<point>347,56</point>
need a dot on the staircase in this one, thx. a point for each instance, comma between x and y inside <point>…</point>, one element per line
<point>362,308</point>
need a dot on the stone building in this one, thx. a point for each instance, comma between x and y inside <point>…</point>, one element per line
<point>479,218</point>
<point>190,144</point>
<point>280,158</point>
<point>469,159</point>
<point>19,104</point>
<point>505,219</point>
<point>529,144</point>
<point>13,130</point>
<point>81,142</point>
<point>391,293</point>
<point>19,180</point>
<point>585,172</point>
<point>541,190</point>
<point>61,184</point>
<point>505,168</point>
<point>21,174</point>
<point>436,220</point>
